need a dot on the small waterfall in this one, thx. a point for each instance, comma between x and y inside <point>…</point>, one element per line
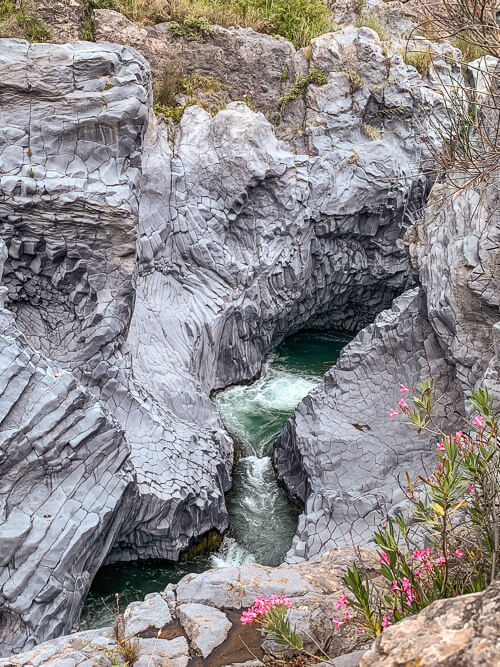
<point>263,519</point>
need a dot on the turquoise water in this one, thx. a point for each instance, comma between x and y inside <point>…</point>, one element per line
<point>263,519</point>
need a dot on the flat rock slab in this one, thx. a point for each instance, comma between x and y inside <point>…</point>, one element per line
<point>236,587</point>
<point>163,652</point>
<point>205,626</point>
<point>151,615</point>
<point>349,659</point>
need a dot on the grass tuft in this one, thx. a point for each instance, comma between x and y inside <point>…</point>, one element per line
<point>420,60</point>
<point>198,89</point>
<point>297,20</point>
<point>315,76</point>
<point>372,20</point>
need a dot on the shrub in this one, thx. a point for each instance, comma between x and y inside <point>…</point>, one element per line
<point>15,21</point>
<point>194,29</point>
<point>473,23</point>
<point>420,60</point>
<point>453,513</point>
<point>315,76</point>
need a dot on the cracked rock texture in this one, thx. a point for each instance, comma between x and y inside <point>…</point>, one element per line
<point>460,632</point>
<point>340,453</point>
<point>203,625</point>
<point>63,495</point>
<point>153,265</point>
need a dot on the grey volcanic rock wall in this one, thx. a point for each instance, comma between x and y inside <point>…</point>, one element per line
<point>63,494</point>
<point>154,265</point>
<point>340,453</point>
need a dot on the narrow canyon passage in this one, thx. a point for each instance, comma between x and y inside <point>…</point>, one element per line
<point>263,519</point>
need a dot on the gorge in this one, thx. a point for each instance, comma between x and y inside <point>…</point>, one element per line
<point>150,269</point>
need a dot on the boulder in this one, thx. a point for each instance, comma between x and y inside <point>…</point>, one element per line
<point>205,626</point>
<point>212,623</point>
<point>459,632</point>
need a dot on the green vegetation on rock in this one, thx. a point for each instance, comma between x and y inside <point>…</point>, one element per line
<point>198,89</point>
<point>372,20</point>
<point>316,76</point>
<point>420,60</point>
<point>297,20</point>
<point>15,21</point>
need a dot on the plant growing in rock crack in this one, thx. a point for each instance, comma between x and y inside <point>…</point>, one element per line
<point>198,89</point>
<point>299,87</point>
<point>420,60</point>
<point>372,20</point>
<point>454,512</point>
<point>128,647</point>
<point>272,617</point>
<point>356,82</point>
<point>372,132</point>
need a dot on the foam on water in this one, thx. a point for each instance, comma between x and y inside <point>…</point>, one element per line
<point>263,520</point>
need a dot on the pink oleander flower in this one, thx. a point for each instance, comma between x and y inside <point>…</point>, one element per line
<point>440,559</point>
<point>403,388</point>
<point>384,558</point>
<point>406,585</point>
<point>440,446</point>
<point>337,622</point>
<point>360,631</point>
<point>418,572</point>
<point>458,553</point>
<point>385,622</point>
<point>469,489</point>
<point>261,607</point>
<point>347,615</point>
<point>394,413</point>
<point>478,420</point>
<point>458,436</point>
<point>428,565</point>
<point>402,403</point>
<point>438,468</point>
<point>394,586</point>
<point>341,601</point>
<point>248,616</point>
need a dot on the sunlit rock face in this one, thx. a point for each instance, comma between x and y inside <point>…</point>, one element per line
<point>150,266</point>
<point>341,453</point>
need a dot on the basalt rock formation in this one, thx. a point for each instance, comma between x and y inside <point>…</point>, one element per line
<point>197,621</point>
<point>340,453</point>
<point>149,265</point>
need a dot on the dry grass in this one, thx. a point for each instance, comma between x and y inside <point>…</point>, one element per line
<point>16,21</point>
<point>473,22</point>
<point>297,20</point>
<point>420,60</point>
